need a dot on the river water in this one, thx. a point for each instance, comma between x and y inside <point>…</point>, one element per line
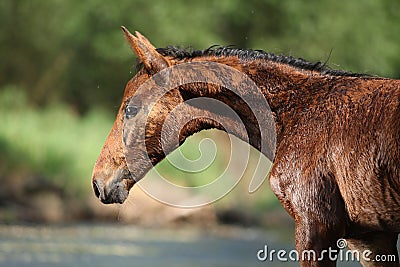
<point>123,245</point>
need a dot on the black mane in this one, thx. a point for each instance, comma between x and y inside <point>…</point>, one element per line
<point>248,54</point>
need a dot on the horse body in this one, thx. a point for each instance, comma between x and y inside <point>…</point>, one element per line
<point>337,167</point>
<point>367,159</point>
<point>337,162</point>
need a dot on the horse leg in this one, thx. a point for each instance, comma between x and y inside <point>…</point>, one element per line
<point>316,243</point>
<point>319,213</point>
<point>376,249</point>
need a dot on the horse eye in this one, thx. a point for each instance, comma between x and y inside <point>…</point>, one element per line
<point>131,111</point>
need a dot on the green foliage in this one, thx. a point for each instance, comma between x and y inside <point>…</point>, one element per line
<point>74,50</point>
<point>203,151</point>
<point>54,143</point>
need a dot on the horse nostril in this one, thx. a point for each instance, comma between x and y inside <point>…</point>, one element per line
<point>96,189</point>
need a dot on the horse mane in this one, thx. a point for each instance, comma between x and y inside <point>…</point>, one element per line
<point>249,54</point>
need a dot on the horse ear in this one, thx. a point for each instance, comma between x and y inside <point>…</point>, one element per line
<point>146,52</point>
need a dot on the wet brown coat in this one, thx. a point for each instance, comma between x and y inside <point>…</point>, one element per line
<point>337,164</point>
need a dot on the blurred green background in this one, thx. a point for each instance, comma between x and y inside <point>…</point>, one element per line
<point>64,65</point>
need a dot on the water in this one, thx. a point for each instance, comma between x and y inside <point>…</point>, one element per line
<point>118,245</point>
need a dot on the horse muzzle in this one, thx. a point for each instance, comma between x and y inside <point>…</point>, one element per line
<point>114,187</point>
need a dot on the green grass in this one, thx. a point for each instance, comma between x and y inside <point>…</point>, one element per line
<point>53,142</point>
<point>197,162</point>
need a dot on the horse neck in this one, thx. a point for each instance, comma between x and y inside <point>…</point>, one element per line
<point>286,87</point>
<point>290,91</point>
<point>287,90</point>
